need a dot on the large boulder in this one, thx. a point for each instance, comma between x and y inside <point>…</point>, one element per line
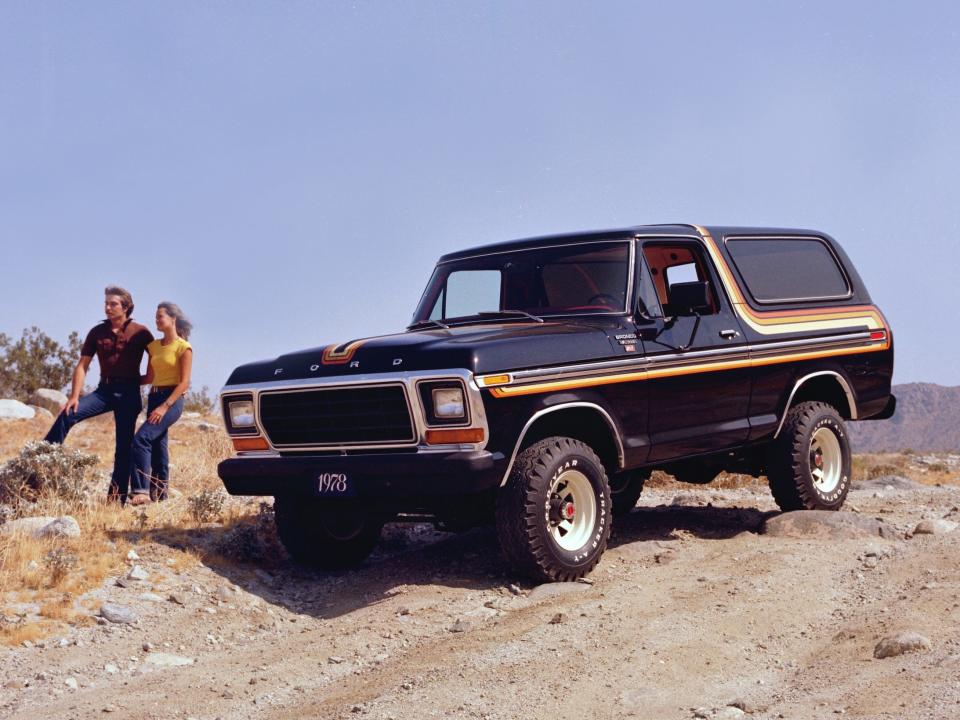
<point>42,526</point>
<point>48,399</point>
<point>825,525</point>
<point>15,410</point>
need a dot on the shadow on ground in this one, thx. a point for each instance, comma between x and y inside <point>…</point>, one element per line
<point>414,554</point>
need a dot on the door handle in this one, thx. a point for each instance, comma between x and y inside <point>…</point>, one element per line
<point>729,334</point>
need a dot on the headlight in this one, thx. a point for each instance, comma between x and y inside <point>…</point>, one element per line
<point>448,403</point>
<point>241,413</point>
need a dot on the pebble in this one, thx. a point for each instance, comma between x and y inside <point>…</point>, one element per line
<point>334,659</point>
<point>557,619</point>
<point>177,598</point>
<point>118,614</point>
<point>159,659</point>
<point>224,593</point>
<point>147,647</point>
<point>461,625</point>
<point>900,643</point>
<point>137,573</point>
<point>151,597</point>
<point>71,683</point>
<point>935,526</point>
<point>555,589</point>
<point>132,555</point>
<point>111,669</point>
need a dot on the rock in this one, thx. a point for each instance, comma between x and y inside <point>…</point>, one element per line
<point>935,526</point>
<point>824,525</point>
<point>43,527</point>
<point>904,642</point>
<point>147,647</point>
<point>123,582</point>
<point>556,589</point>
<point>150,597</point>
<point>132,555</point>
<point>889,483</point>
<point>515,589</point>
<point>557,619</point>
<point>728,713</point>
<point>137,573</point>
<point>159,659</point>
<point>224,593</point>
<point>177,598</point>
<point>50,400</point>
<point>461,626</point>
<point>205,427</point>
<point>41,412</point>
<point>334,659</point>
<point>15,410</point>
<point>71,683</point>
<point>118,614</point>
<point>111,669</point>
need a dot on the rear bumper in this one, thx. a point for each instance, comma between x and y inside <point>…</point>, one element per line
<point>370,477</point>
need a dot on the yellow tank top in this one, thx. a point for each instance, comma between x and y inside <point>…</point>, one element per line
<point>165,361</point>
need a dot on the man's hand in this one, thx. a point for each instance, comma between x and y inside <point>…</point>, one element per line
<point>71,406</point>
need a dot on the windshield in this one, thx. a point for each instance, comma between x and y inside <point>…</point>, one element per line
<point>588,278</point>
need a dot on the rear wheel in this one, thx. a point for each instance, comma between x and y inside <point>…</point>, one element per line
<point>553,515</point>
<point>809,463</point>
<point>325,537</point>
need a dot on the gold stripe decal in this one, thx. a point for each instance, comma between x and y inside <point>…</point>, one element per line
<point>341,354</point>
<point>675,371</point>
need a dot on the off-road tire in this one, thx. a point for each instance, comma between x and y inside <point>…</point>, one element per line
<point>790,462</point>
<point>525,520</point>
<point>322,537</point>
<point>625,489</point>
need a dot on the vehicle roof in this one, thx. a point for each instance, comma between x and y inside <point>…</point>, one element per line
<point>666,230</point>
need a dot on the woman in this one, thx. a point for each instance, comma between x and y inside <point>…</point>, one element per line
<point>171,360</point>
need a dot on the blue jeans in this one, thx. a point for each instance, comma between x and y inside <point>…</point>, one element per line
<point>123,400</point>
<point>150,448</point>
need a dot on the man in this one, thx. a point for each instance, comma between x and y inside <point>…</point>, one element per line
<point>118,343</point>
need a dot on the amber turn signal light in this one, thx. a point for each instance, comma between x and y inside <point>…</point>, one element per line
<point>446,437</point>
<point>254,443</point>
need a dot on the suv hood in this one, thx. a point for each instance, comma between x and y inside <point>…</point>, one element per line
<point>481,348</point>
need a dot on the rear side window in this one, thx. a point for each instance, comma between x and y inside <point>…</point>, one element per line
<point>783,270</point>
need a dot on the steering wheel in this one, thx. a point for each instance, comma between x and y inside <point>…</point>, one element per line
<point>604,299</point>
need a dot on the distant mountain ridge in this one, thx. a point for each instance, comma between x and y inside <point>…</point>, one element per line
<point>927,419</point>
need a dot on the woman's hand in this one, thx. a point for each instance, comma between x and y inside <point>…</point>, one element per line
<point>158,414</point>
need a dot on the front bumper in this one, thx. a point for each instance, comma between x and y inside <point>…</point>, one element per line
<point>371,477</point>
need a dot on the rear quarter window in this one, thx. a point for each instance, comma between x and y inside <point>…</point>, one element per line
<point>784,270</point>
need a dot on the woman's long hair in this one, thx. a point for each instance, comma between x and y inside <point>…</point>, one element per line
<point>184,326</point>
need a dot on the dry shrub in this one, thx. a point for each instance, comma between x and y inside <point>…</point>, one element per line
<point>252,538</point>
<point>43,472</point>
<point>17,633</point>
<point>206,506</point>
<point>59,563</point>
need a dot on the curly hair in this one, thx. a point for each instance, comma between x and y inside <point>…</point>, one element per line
<point>184,326</point>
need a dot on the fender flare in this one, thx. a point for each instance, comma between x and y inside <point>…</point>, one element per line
<point>565,406</point>
<point>844,385</point>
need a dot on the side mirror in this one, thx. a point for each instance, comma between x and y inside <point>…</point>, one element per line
<point>689,298</point>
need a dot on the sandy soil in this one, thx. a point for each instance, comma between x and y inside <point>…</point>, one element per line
<point>691,613</point>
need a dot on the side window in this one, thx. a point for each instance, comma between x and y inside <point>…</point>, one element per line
<point>673,263</point>
<point>784,270</point>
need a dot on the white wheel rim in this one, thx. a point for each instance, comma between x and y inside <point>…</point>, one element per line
<point>826,460</point>
<point>572,514</point>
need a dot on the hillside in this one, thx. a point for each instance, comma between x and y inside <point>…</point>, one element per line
<point>927,419</point>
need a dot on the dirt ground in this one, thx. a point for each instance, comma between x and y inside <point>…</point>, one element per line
<point>692,612</point>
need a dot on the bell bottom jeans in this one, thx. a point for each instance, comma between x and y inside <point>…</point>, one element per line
<point>123,400</point>
<point>151,463</point>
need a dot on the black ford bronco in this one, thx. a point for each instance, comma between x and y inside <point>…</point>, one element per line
<point>542,380</point>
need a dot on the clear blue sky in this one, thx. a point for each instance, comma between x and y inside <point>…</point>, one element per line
<point>289,172</point>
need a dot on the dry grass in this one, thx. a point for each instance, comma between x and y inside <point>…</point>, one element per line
<point>49,571</point>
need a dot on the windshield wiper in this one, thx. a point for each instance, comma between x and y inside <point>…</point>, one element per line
<point>427,323</point>
<point>495,313</point>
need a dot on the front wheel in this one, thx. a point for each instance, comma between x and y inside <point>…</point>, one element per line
<point>808,465</point>
<point>325,537</point>
<point>553,515</point>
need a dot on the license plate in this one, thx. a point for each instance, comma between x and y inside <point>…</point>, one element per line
<point>331,483</point>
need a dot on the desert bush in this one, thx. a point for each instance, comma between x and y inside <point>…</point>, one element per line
<point>46,471</point>
<point>253,538</point>
<point>938,467</point>
<point>199,401</point>
<point>59,562</point>
<point>36,361</point>
<point>206,506</point>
